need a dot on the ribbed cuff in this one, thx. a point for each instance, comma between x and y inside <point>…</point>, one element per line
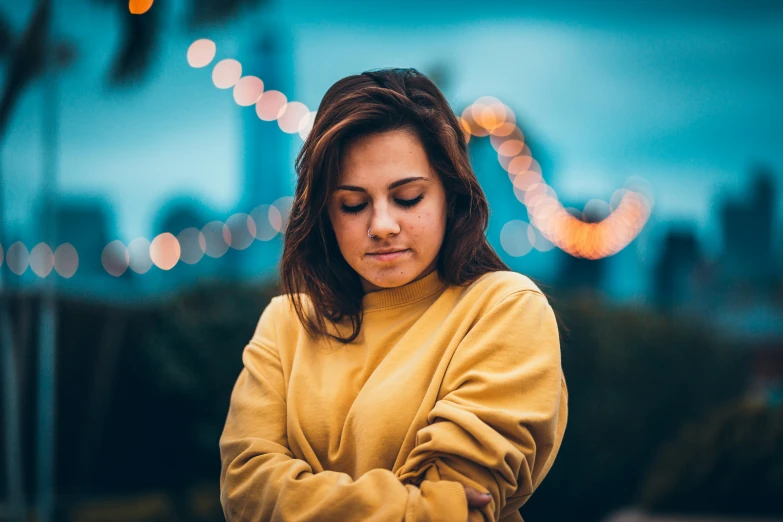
<point>441,501</point>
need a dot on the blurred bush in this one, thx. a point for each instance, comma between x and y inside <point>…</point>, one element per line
<point>193,348</point>
<point>729,462</point>
<point>634,379</point>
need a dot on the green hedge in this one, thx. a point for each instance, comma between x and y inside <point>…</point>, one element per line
<point>634,378</point>
<point>729,462</point>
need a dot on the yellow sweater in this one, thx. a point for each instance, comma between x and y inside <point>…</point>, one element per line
<point>445,386</point>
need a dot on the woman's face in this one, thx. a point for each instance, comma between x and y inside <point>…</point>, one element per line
<point>386,184</point>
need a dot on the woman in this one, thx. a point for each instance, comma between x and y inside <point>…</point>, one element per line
<point>405,371</point>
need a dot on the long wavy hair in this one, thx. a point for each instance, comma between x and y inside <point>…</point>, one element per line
<point>369,103</point>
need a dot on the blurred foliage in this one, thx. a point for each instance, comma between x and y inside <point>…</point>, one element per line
<point>730,462</point>
<point>27,54</point>
<point>6,35</point>
<point>634,378</point>
<point>194,344</point>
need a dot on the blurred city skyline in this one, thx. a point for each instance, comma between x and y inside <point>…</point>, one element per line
<point>131,282</point>
<point>608,98</point>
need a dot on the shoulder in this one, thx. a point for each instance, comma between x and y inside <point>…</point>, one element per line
<point>281,307</point>
<point>497,286</point>
<point>275,314</point>
<point>500,294</point>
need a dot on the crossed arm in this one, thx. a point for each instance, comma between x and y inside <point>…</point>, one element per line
<point>497,429</point>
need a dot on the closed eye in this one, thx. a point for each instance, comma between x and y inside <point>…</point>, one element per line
<point>405,203</point>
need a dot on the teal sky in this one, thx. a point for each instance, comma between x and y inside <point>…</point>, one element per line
<point>686,95</point>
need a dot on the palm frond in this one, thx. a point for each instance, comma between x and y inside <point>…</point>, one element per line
<point>27,61</point>
<point>6,36</point>
<point>213,12</point>
<point>139,43</point>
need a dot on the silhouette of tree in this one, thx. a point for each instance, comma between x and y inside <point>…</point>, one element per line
<point>26,55</point>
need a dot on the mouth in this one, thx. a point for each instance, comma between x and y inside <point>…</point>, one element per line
<point>388,256</point>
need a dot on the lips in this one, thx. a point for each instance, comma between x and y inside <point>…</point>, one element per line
<point>389,256</point>
<point>387,251</point>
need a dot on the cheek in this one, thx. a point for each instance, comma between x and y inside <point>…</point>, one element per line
<point>351,236</point>
<point>424,224</point>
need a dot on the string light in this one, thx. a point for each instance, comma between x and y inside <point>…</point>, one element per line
<point>66,260</point>
<point>140,260</point>
<point>292,117</point>
<point>192,244</point>
<point>621,220</point>
<point>550,223</point>
<point>17,258</point>
<point>115,258</point>
<point>42,260</point>
<point>165,251</point>
<point>226,73</point>
<point>201,53</point>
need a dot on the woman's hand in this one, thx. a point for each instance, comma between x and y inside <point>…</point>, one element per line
<point>476,499</point>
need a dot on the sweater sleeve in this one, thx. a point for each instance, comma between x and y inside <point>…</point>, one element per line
<point>503,411</point>
<point>261,480</point>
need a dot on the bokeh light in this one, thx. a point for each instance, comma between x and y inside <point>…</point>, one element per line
<point>488,112</point>
<point>1,255</point>
<point>538,240</point>
<point>596,210</point>
<point>248,90</point>
<point>66,260</point>
<point>514,238</point>
<point>217,238</point>
<point>468,121</point>
<point>263,216</point>
<point>283,205</point>
<point>139,252</point>
<point>165,251</point>
<point>271,105</point>
<point>465,126</point>
<point>115,258</point>
<point>192,245</point>
<point>241,229</point>
<point>611,227</point>
<point>306,125</point>
<point>17,258</point>
<point>138,7</point>
<point>42,259</point>
<point>201,53</point>
<point>226,73</point>
<point>641,186</point>
<point>291,119</point>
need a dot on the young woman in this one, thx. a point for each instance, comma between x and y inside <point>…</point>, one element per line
<point>405,371</point>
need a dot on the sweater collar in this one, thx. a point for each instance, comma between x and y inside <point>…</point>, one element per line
<point>407,293</point>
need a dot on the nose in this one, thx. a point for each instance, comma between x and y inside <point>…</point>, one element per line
<point>383,223</point>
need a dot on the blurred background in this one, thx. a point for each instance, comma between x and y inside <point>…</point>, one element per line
<point>631,153</point>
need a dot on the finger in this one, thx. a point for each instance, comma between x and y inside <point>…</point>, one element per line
<point>478,502</point>
<point>476,498</point>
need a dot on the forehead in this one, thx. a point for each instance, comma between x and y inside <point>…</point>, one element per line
<point>378,159</point>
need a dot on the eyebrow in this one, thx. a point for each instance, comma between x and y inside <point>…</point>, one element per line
<point>393,185</point>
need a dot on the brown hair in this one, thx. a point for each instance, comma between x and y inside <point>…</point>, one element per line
<point>368,103</point>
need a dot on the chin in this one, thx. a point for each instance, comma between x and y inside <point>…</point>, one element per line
<point>391,280</point>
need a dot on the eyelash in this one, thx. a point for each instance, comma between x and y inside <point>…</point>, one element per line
<point>407,203</point>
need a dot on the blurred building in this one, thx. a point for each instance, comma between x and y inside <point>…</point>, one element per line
<point>675,274</point>
<point>747,225</point>
<point>88,223</point>
<point>268,154</point>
